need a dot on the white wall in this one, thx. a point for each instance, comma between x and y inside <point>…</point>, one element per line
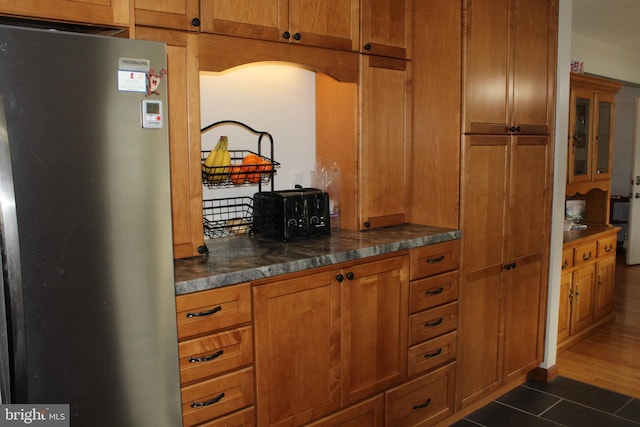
<point>559,184</point>
<point>605,60</point>
<point>275,98</point>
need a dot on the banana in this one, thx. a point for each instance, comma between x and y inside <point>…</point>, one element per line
<point>216,160</point>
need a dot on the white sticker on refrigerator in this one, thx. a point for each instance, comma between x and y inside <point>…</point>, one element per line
<point>132,81</point>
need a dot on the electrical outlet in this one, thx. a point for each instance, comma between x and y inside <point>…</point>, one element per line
<point>296,178</point>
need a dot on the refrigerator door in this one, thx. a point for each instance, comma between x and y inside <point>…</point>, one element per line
<point>92,207</point>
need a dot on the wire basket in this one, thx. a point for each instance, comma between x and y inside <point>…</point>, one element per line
<point>227,217</point>
<point>238,174</point>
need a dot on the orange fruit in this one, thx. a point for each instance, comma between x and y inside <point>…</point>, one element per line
<point>250,163</point>
<point>237,175</point>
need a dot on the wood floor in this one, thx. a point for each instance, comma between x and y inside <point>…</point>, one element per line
<point>610,357</point>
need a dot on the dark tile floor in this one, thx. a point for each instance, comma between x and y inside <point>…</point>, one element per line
<point>560,402</point>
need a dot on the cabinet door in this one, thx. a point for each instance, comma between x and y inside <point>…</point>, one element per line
<point>603,297</point>
<point>584,280</point>
<point>523,315</point>
<point>603,133</point>
<point>509,50</point>
<point>184,137</point>
<point>580,130</point>
<point>383,107</point>
<point>486,94</point>
<point>566,301</point>
<point>264,19</point>
<point>483,219</point>
<point>297,349</point>
<point>384,27</point>
<point>178,14</point>
<point>324,23</point>
<point>479,331</point>
<point>533,64</point>
<point>374,327</point>
<point>99,12</point>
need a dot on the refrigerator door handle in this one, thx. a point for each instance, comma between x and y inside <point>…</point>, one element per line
<point>12,321</point>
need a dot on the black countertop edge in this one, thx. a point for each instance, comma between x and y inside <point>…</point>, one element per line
<point>240,259</point>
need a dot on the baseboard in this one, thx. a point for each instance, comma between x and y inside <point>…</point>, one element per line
<point>544,374</point>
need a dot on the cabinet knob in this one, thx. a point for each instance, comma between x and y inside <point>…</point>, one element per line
<point>195,22</point>
<point>297,36</point>
<point>367,46</point>
<point>203,250</point>
<point>340,278</point>
<point>286,35</point>
<point>515,129</point>
<point>350,275</point>
<point>367,224</point>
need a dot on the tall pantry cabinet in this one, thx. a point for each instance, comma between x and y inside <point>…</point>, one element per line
<point>509,67</point>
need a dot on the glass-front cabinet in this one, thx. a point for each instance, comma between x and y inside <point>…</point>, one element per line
<point>579,142</point>
<point>590,143</point>
<point>603,137</point>
<point>590,133</point>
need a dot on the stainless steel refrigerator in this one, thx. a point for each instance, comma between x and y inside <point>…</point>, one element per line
<point>88,301</point>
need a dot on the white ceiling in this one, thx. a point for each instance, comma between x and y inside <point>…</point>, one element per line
<point>616,22</point>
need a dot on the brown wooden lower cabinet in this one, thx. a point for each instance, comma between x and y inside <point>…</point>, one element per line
<point>423,401</point>
<point>356,344</point>
<point>587,282</point>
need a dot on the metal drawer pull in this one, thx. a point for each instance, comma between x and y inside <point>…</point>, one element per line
<point>586,257</point>
<point>565,263</point>
<point>424,405</point>
<point>435,260</point>
<point>205,313</point>
<point>608,248</point>
<point>436,292</point>
<point>438,352</point>
<point>216,399</point>
<point>434,323</point>
<point>207,358</point>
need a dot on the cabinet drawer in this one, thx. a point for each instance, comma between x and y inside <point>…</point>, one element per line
<point>204,312</point>
<point>213,354</point>
<point>243,418</point>
<point>369,413</point>
<point>567,258</point>
<point>432,353</point>
<point>433,291</point>
<point>584,253</point>
<point>434,259</point>
<point>431,323</point>
<point>607,245</point>
<point>423,401</point>
<point>221,395</point>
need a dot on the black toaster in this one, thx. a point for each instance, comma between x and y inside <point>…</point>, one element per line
<point>289,214</point>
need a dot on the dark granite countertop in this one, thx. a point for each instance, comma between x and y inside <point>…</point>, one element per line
<point>244,258</point>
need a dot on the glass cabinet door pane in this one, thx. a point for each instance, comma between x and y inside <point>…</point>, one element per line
<point>581,137</point>
<point>604,137</point>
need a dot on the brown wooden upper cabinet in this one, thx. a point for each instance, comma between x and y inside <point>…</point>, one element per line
<point>177,14</point>
<point>384,27</point>
<point>324,23</point>
<point>508,72</point>
<point>590,129</point>
<point>94,12</point>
